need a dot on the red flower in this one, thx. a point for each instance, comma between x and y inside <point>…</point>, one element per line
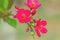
<point>23,15</point>
<point>33,4</point>
<point>40,27</point>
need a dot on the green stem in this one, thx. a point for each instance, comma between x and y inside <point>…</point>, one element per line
<point>30,26</point>
<point>33,38</point>
<point>31,30</point>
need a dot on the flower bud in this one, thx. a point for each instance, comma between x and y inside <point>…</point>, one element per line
<point>32,33</point>
<point>33,24</point>
<point>27,29</point>
<point>35,20</point>
<point>33,12</point>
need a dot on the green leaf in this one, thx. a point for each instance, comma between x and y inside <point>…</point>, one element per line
<point>1,6</point>
<point>10,4</point>
<point>5,4</point>
<point>11,22</point>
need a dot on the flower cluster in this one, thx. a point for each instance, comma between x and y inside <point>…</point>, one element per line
<point>26,16</point>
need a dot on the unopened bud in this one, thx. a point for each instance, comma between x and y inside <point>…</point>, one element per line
<point>32,33</point>
<point>27,29</point>
<point>33,12</point>
<point>33,24</point>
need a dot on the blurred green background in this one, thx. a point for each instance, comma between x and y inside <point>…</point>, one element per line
<point>49,11</point>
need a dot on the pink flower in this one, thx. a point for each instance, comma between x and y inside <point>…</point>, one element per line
<point>40,27</point>
<point>23,15</point>
<point>33,4</point>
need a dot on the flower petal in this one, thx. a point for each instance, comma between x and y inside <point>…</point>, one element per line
<point>43,30</point>
<point>21,21</point>
<point>43,23</point>
<point>38,5</point>
<point>27,13</point>
<point>27,19</point>
<point>37,32</point>
<point>38,22</point>
<point>29,1</point>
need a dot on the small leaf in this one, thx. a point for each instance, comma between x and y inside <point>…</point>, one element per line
<point>11,22</point>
